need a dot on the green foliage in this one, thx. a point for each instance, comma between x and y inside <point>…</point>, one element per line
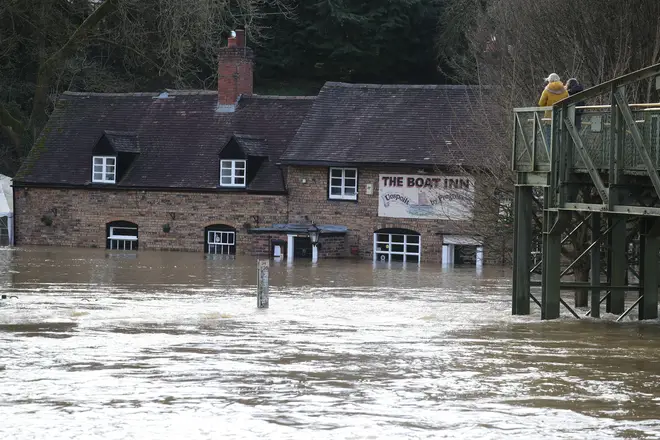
<point>352,40</point>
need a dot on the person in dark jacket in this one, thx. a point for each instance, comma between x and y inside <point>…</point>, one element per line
<point>573,87</point>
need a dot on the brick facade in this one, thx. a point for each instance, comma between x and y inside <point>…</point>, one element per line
<point>262,243</point>
<point>308,201</point>
<point>333,247</point>
<point>79,217</point>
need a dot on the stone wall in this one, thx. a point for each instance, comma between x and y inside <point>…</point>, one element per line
<point>79,216</point>
<point>308,201</point>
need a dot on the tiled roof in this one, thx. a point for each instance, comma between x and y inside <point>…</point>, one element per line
<point>179,137</point>
<point>122,142</point>
<point>391,124</point>
<point>252,145</point>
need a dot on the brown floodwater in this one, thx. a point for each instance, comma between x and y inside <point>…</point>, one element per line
<point>157,345</point>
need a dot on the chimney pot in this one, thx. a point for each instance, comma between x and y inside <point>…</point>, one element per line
<point>240,37</point>
<point>236,38</point>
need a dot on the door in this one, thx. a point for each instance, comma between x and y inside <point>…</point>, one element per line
<point>302,247</point>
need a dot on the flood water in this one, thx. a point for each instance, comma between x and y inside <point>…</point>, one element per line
<point>161,345</point>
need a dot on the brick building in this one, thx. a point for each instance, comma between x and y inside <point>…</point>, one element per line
<point>231,172</point>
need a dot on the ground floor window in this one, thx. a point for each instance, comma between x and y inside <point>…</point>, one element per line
<point>122,235</point>
<point>220,239</point>
<point>4,231</point>
<point>395,244</point>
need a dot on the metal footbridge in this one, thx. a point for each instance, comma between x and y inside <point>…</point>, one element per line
<point>593,167</point>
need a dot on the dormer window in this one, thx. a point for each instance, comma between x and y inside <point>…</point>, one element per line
<point>232,173</point>
<point>104,169</point>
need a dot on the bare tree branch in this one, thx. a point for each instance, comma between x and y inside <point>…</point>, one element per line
<point>40,101</point>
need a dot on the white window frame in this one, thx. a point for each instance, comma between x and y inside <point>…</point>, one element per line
<point>342,185</point>
<point>105,168</point>
<point>233,165</point>
<point>385,247</point>
<point>227,240</point>
<point>123,242</point>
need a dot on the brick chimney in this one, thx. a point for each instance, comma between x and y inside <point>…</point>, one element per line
<point>234,71</point>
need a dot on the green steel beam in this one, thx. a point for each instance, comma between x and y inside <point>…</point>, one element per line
<point>619,159</point>
<point>603,88</point>
<point>524,139</point>
<point>582,285</point>
<point>649,246</point>
<point>538,125</point>
<point>560,161</point>
<point>515,141</point>
<point>616,209</point>
<point>624,314</point>
<point>595,266</point>
<point>607,295</point>
<point>614,172</point>
<point>553,225</point>
<point>563,240</point>
<point>584,154</point>
<point>573,312</point>
<point>586,251</point>
<point>638,141</point>
<point>617,262</point>
<point>522,248</point>
<point>535,300</point>
<point>550,289</point>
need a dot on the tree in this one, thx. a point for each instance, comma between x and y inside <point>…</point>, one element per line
<point>352,40</point>
<point>47,46</point>
<point>511,45</point>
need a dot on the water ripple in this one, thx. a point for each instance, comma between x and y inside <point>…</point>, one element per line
<point>169,345</point>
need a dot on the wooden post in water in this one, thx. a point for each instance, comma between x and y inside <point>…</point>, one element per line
<point>262,283</point>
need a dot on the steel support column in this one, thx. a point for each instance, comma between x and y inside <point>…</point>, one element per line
<point>553,225</point>
<point>648,264</point>
<point>550,292</point>
<point>618,264</point>
<point>595,266</point>
<point>522,248</point>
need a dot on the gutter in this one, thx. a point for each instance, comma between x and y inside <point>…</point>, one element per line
<point>146,188</point>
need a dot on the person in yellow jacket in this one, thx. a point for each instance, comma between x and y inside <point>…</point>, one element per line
<point>552,93</point>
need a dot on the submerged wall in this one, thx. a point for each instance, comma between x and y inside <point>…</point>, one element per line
<point>78,217</point>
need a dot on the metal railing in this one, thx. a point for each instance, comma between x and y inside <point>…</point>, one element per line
<point>532,145</point>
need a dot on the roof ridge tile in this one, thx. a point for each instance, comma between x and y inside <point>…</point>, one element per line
<point>401,86</point>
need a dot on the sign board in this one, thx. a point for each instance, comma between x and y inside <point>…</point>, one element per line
<point>425,197</point>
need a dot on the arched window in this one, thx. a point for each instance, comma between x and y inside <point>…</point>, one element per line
<point>220,239</point>
<point>395,244</point>
<point>122,235</point>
